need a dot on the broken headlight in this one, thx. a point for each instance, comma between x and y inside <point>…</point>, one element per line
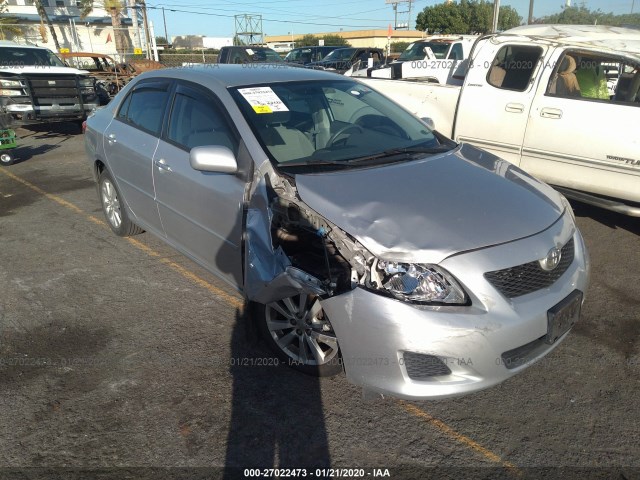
<point>418,283</point>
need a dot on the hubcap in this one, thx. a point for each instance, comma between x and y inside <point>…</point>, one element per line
<point>302,330</point>
<point>5,158</point>
<point>111,204</point>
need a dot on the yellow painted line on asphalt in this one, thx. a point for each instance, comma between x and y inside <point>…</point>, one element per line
<point>232,300</point>
<point>237,302</point>
<point>464,440</point>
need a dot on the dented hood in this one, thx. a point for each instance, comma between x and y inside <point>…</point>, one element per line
<point>425,210</point>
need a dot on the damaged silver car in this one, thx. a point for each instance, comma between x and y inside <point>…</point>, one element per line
<point>364,240</point>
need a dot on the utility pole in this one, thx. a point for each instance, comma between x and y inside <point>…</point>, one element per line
<point>530,19</point>
<point>496,13</point>
<point>166,35</point>
<point>145,23</point>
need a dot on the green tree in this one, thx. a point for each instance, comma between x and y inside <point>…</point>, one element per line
<point>335,40</point>
<point>581,15</point>
<point>466,17</point>
<point>399,47</point>
<point>442,18</point>
<point>508,18</point>
<point>307,40</point>
<point>115,9</point>
<point>161,40</point>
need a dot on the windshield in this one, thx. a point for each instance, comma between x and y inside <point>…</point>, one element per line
<point>298,54</point>
<point>415,51</point>
<point>340,54</point>
<point>333,122</point>
<point>263,55</point>
<point>20,57</point>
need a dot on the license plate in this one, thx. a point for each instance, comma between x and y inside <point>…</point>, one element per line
<point>562,317</point>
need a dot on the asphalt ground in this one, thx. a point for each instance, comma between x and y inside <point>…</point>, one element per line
<point>120,358</point>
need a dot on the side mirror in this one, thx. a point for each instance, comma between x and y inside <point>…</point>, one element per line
<point>428,121</point>
<point>213,158</point>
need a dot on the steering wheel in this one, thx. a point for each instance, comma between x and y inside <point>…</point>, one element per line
<point>341,131</point>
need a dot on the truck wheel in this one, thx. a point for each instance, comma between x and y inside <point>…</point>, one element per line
<point>6,159</point>
<point>114,209</point>
<point>300,334</point>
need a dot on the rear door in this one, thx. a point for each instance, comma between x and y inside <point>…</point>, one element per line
<point>201,211</point>
<point>130,142</point>
<point>587,140</point>
<point>496,97</point>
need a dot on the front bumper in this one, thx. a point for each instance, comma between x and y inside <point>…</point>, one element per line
<point>375,332</point>
<point>26,113</point>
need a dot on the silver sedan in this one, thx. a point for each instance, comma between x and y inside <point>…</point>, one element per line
<point>363,240</point>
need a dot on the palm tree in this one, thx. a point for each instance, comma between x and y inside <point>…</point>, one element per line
<point>44,17</point>
<point>8,24</point>
<point>115,8</point>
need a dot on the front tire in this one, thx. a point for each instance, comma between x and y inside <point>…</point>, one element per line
<point>113,207</point>
<point>299,332</point>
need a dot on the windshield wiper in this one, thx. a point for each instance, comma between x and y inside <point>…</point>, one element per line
<point>401,153</point>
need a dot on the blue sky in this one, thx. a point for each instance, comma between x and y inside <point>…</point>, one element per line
<point>214,18</point>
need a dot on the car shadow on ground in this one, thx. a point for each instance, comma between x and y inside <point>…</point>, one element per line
<point>27,152</point>
<point>611,219</point>
<point>44,131</point>
<point>262,390</point>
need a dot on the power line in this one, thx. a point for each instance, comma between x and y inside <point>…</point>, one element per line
<point>178,10</point>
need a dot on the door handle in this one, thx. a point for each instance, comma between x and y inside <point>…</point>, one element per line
<point>111,138</point>
<point>551,113</point>
<point>163,165</point>
<point>514,107</point>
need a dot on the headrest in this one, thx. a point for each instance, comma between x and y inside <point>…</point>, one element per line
<point>567,66</point>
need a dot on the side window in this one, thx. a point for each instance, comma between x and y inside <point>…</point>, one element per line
<point>456,52</point>
<point>196,121</point>
<point>591,76</point>
<point>144,107</point>
<point>513,67</point>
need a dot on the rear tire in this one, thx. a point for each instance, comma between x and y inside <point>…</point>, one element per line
<point>113,207</point>
<point>6,159</point>
<point>299,333</point>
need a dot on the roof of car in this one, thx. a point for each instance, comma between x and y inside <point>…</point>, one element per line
<point>601,36</point>
<point>229,75</point>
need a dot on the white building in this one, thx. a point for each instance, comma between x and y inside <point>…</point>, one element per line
<point>94,33</point>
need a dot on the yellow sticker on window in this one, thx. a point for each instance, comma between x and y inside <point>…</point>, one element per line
<point>262,109</point>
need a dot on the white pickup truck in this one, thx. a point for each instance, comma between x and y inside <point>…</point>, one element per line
<point>438,59</point>
<point>562,102</point>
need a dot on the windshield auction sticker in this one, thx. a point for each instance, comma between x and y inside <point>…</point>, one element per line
<point>263,100</point>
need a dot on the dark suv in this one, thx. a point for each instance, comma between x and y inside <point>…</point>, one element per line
<point>306,55</point>
<point>248,54</point>
<point>341,59</point>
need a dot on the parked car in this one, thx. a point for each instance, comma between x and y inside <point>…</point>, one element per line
<point>248,54</point>
<point>533,95</point>
<point>306,55</point>
<point>362,238</point>
<point>37,87</point>
<point>342,59</point>
<point>438,59</point>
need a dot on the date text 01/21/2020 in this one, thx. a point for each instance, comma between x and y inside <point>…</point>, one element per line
<point>318,472</point>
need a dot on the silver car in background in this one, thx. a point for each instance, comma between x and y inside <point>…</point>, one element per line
<point>363,240</point>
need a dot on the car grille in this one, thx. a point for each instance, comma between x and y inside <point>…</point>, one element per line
<point>45,89</point>
<point>423,367</point>
<point>529,277</point>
